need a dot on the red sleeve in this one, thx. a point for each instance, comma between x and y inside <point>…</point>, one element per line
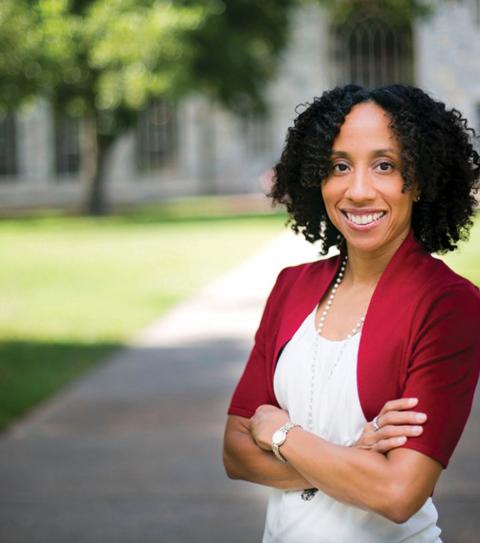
<point>444,369</point>
<point>253,388</point>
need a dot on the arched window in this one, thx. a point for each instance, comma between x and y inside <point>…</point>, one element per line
<point>371,50</point>
<point>477,128</point>
<point>8,151</point>
<point>67,146</point>
<point>476,12</point>
<point>156,137</point>
<point>256,134</point>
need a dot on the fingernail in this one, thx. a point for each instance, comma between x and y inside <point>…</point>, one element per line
<point>417,429</point>
<point>400,440</point>
<point>420,417</point>
<point>412,400</point>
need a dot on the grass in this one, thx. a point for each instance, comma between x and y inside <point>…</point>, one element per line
<point>466,259</point>
<point>75,288</point>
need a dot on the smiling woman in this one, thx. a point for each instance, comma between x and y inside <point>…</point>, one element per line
<point>364,366</point>
<point>363,192</point>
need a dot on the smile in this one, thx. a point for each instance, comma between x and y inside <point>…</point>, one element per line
<point>364,219</point>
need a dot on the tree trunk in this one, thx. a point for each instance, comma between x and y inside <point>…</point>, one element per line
<point>95,152</point>
<point>207,147</point>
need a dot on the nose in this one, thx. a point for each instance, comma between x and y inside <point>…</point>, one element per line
<point>360,187</point>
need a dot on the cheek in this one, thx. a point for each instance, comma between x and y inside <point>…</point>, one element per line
<point>329,200</point>
<point>405,202</point>
<point>328,195</point>
<point>402,209</point>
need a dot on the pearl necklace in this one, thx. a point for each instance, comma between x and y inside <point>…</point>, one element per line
<point>309,493</point>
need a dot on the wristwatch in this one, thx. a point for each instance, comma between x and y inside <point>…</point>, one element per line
<point>279,437</point>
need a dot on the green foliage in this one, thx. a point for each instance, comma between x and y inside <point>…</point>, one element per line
<point>138,54</point>
<point>235,49</point>
<point>19,43</point>
<point>110,58</point>
<point>400,12</point>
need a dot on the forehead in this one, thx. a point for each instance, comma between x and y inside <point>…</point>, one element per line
<point>367,126</point>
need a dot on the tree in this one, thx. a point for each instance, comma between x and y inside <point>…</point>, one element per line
<point>18,51</point>
<point>105,60</point>
<point>397,11</point>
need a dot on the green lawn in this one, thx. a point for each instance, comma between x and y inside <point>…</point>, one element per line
<point>74,288</point>
<point>466,259</point>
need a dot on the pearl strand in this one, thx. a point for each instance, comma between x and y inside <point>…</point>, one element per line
<point>324,314</point>
<point>309,493</point>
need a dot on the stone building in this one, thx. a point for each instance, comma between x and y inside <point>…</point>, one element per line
<point>195,147</point>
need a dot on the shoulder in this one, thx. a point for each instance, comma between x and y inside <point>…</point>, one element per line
<point>447,301</point>
<point>420,293</point>
<point>414,274</point>
<point>440,282</point>
<point>308,271</point>
<point>303,281</point>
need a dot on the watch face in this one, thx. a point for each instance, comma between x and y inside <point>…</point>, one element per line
<point>278,437</point>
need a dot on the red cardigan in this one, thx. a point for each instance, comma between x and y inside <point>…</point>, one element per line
<point>420,338</point>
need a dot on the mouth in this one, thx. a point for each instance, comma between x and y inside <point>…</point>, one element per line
<point>363,219</point>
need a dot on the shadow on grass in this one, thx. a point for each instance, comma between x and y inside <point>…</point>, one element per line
<point>155,424</point>
<point>31,371</point>
<point>137,218</point>
<point>165,218</point>
<point>187,210</point>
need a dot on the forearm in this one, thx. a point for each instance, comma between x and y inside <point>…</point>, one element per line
<point>243,459</point>
<point>365,479</point>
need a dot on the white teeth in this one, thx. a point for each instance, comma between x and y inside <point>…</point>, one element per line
<point>365,219</point>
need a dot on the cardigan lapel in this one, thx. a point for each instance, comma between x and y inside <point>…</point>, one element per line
<point>383,345</point>
<point>382,340</point>
<point>307,291</point>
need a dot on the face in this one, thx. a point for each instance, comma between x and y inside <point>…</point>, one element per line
<point>363,192</point>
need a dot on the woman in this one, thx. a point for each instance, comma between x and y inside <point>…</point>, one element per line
<point>383,332</point>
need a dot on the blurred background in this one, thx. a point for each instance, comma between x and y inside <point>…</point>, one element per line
<point>137,139</point>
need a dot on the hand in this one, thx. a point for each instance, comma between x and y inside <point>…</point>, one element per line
<point>396,424</point>
<point>266,421</point>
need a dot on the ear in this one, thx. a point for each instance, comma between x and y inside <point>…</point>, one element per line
<point>416,193</point>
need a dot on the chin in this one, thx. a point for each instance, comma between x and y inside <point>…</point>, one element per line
<point>365,245</point>
<point>371,242</point>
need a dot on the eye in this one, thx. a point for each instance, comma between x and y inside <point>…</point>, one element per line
<point>385,166</point>
<point>340,167</point>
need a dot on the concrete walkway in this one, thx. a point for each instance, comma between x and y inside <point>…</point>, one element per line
<point>132,452</point>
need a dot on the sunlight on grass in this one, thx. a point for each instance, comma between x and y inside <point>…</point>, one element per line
<point>466,259</point>
<point>75,288</point>
<point>75,280</point>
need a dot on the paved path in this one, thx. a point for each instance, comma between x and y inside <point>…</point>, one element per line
<point>132,452</point>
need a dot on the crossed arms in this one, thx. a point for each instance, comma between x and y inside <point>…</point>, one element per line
<point>374,474</point>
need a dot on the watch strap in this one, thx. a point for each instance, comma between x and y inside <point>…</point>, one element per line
<point>276,448</point>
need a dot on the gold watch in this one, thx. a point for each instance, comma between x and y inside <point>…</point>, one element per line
<point>279,438</point>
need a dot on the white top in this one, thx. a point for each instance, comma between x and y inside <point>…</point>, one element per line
<point>338,418</point>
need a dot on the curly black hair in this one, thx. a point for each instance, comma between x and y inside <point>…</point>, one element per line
<point>437,153</point>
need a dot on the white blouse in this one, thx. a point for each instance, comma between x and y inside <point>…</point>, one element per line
<point>338,418</point>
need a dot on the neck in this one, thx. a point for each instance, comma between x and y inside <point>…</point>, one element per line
<point>365,268</point>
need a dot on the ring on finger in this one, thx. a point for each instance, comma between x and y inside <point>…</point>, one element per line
<point>376,426</point>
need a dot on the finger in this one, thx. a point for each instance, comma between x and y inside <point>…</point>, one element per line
<point>399,405</point>
<point>401,417</point>
<point>386,445</point>
<point>390,431</point>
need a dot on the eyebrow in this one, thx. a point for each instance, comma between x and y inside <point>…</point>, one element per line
<point>377,152</point>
